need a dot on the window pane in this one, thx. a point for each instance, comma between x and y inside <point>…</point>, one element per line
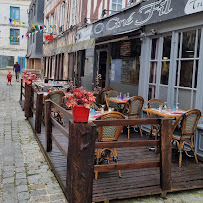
<point>154,51</point>
<point>188,44</point>
<point>176,83</point>
<point>12,13</point>
<point>120,1</point>
<point>184,99</point>
<point>179,38</point>
<point>17,14</point>
<point>198,45</point>
<point>186,73</point>
<point>119,7</point>
<point>167,47</point>
<point>196,72</point>
<point>114,1</point>
<point>114,7</point>
<point>165,72</point>
<point>163,93</point>
<point>153,72</point>
<point>152,90</point>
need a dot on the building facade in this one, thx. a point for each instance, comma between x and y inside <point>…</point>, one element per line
<point>14,25</point>
<point>35,41</point>
<point>65,56</point>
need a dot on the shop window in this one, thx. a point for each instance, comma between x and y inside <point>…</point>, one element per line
<point>153,72</point>
<point>154,50</point>
<point>15,13</point>
<point>130,71</point>
<point>14,36</point>
<point>165,72</point>
<point>6,61</point>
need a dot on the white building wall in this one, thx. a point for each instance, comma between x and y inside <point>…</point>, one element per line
<point>6,48</point>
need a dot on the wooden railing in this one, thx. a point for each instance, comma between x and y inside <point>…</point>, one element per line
<point>34,105</point>
<point>80,153</point>
<point>82,145</point>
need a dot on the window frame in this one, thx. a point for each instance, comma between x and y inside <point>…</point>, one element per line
<point>15,30</point>
<point>123,5</point>
<point>15,9</point>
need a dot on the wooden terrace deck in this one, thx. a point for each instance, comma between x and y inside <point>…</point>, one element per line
<point>134,183</point>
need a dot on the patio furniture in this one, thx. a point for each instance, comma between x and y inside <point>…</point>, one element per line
<point>103,93</point>
<point>57,97</point>
<point>108,134</point>
<point>111,93</point>
<point>132,110</point>
<point>154,103</point>
<point>185,133</point>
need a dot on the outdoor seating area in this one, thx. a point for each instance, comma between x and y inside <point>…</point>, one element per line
<point>122,153</point>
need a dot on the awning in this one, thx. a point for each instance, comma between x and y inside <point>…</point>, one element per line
<point>86,44</point>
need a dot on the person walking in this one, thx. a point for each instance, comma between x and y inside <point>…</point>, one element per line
<point>16,68</point>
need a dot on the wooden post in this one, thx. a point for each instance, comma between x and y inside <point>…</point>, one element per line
<point>80,163</point>
<point>28,95</point>
<point>48,125</point>
<point>21,91</point>
<point>38,115</point>
<point>166,154</point>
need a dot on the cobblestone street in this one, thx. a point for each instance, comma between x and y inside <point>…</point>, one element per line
<point>24,174</point>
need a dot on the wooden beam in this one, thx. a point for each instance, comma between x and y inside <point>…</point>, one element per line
<point>166,154</point>
<point>128,166</point>
<point>80,163</point>
<point>60,127</point>
<point>38,115</point>
<point>48,126</point>
<point>124,144</point>
<point>27,106</point>
<point>122,122</point>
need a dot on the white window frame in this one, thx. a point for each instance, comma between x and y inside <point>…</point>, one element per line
<point>62,17</point>
<point>123,5</point>
<point>73,13</point>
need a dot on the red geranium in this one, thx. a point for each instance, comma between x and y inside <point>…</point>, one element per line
<point>28,77</point>
<point>80,96</point>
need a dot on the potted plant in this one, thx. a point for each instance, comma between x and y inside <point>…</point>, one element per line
<point>28,77</point>
<point>80,100</point>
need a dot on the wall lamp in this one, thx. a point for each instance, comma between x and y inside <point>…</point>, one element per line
<point>153,31</point>
<point>104,12</point>
<point>86,19</point>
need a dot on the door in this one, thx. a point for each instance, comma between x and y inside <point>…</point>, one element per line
<point>21,61</point>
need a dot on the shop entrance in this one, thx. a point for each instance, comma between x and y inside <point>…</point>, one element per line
<point>102,64</point>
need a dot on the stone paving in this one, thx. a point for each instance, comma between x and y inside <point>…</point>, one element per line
<point>24,174</point>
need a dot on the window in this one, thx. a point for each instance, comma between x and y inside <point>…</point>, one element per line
<point>61,27</point>
<point>47,24</point>
<point>117,5</point>
<point>73,12</point>
<point>15,13</point>
<point>6,61</point>
<point>15,36</point>
<point>52,22</point>
<point>159,67</point>
<point>187,64</point>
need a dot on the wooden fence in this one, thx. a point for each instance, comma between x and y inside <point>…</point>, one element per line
<point>81,152</point>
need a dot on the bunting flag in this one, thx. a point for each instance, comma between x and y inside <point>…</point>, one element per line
<point>10,20</point>
<point>33,26</point>
<point>15,22</point>
<point>19,23</point>
<point>37,27</point>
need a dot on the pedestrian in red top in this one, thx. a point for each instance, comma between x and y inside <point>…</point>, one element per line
<point>9,77</point>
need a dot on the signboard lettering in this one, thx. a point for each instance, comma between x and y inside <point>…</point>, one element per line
<point>194,6</point>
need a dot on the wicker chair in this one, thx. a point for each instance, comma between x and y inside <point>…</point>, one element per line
<point>108,134</point>
<point>46,88</point>
<point>154,103</point>
<point>132,110</point>
<point>185,133</point>
<point>111,93</point>
<point>57,97</point>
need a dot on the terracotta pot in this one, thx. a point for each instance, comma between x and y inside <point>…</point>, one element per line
<point>80,114</point>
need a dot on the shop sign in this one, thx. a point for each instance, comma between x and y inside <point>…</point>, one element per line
<point>194,6</point>
<point>145,13</point>
<point>83,34</point>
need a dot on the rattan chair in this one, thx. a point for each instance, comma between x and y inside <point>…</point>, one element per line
<point>111,93</point>
<point>57,97</point>
<point>154,103</point>
<point>183,131</point>
<point>108,134</point>
<point>132,110</point>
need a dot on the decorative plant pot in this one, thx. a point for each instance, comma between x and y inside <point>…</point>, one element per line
<point>80,114</point>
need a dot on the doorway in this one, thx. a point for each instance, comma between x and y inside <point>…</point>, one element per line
<point>102,65</point>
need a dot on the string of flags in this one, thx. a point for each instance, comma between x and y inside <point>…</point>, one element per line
<point>38,28</point>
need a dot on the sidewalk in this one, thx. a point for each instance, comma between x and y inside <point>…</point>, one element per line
<point>24,174</point>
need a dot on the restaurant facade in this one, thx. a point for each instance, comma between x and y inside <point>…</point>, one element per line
<point>154,49</point>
